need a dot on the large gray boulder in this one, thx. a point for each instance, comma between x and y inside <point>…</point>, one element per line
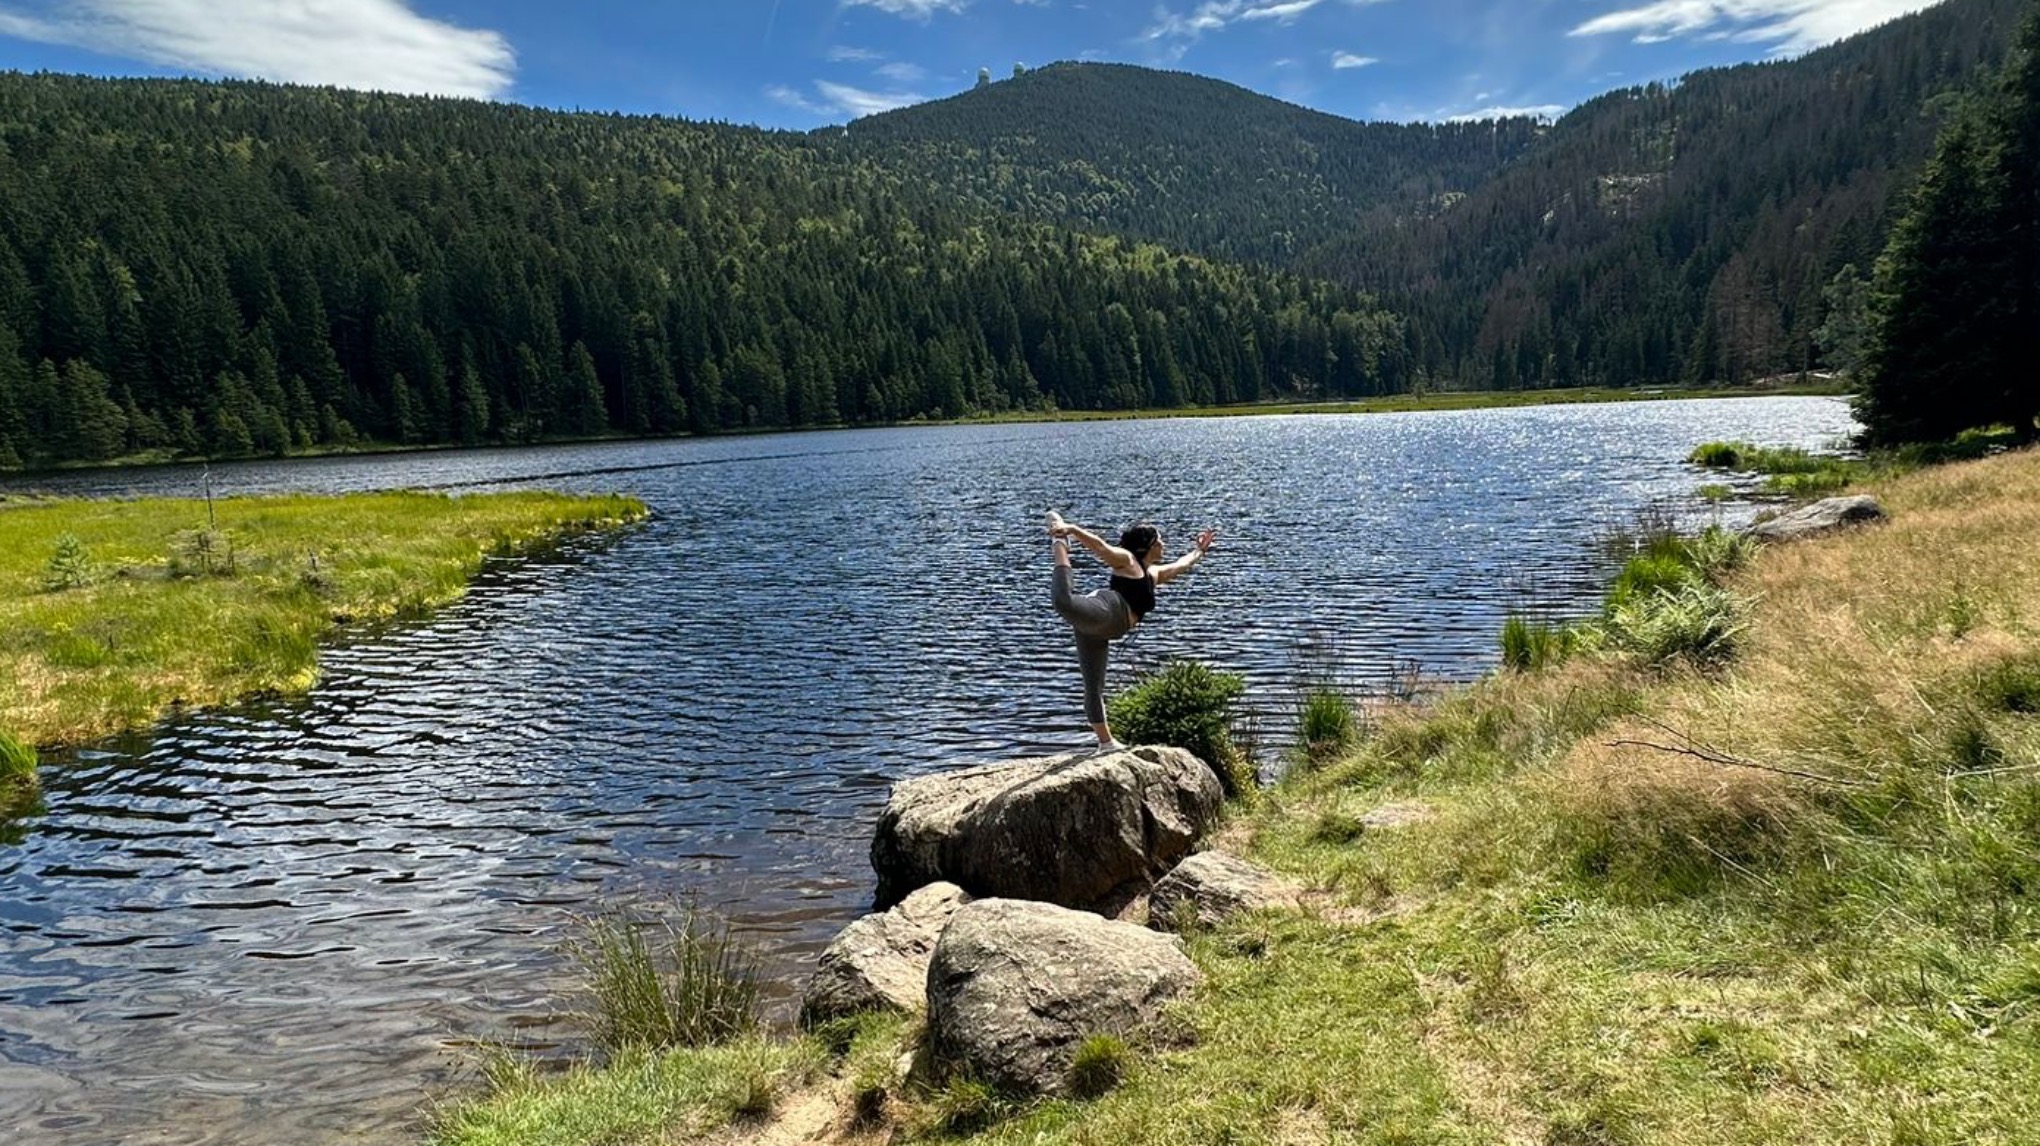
<point>1211,887</point>
<point>1079,831</point>
<point>1015,987</point>
<point>880,962</point>
<point>1823,516</point>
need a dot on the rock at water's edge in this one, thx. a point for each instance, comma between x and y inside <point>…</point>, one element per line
<point>1068,830</point>
<point>880,962</point>
<point>1821,517</point>
<point>1212,887</point>
<point>1015,987</point>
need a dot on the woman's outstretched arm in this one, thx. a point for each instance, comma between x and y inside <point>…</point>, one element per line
<point>1181,565</point>
<point>1119,559</point>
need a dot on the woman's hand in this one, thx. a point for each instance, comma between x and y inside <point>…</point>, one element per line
<point>1206,540</point>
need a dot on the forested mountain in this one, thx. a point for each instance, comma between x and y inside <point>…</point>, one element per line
<point>1194,163</point>
<point>1681,233</point>
<point>232,268</point>
<point>229,268</point>
<point>1669,233</point>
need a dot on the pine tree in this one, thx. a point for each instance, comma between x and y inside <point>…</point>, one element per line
<point>584,411</point>
<point>1958,311</point>
<point>14,380</point>
<point>1940,304</point>
<point>89,423</point>
<point>2016,120</point>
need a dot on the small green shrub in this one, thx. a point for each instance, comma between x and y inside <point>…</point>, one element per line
<point>1327,724</point>
<point>69,567</point>
<point>1714,491</point>
<point>1190,706</point>
<point>1100,1065</point>
<point>1529,645</point>
<point>667,983</point>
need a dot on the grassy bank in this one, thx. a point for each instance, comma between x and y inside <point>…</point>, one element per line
<point>111,612</point>
<point>1786,894</point>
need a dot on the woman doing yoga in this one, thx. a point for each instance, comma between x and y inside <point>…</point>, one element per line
<point>1104,616</point>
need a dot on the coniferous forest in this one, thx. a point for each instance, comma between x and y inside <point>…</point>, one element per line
<point>226,269</point>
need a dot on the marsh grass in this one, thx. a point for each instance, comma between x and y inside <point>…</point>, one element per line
<point>1529,645</point>
<point>680,980</point>
<point>19,783</point>
<point>161,620</point>
<point>1800,474</point>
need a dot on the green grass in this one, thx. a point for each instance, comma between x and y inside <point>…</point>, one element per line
<point>641,1098</point>
<point>111,612</point>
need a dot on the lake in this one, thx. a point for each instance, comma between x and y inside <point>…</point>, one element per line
<point>292,921</point>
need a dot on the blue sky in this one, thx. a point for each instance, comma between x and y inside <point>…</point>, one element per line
<point>803,63</point>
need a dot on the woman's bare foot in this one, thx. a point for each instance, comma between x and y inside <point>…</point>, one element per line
<point>1056,526</point>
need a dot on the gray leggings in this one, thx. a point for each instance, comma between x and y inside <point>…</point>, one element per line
<point>1099,619</point>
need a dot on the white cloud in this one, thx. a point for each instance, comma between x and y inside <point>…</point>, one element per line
<point>792,98</point>
<point>1186,27</point>
<point>911,9</point>
<point>1343,60</point>
<point>858,101</point>
<point>1788,25</point>
<point>900,71</point>
<point>843,55</point>
<point>374,44</point>
<point>1539,111</point>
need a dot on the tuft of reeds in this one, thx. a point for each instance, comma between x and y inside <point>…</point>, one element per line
<point>673,981</point>
<point>1327,724</point>
<point>19,785</point>
<point>1528,646</point>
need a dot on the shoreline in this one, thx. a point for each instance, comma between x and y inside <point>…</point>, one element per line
<point>1451,400</point>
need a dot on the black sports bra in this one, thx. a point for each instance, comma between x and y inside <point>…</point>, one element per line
<point>1138,591</point>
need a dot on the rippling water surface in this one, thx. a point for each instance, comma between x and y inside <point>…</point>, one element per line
<point>287,921</point>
